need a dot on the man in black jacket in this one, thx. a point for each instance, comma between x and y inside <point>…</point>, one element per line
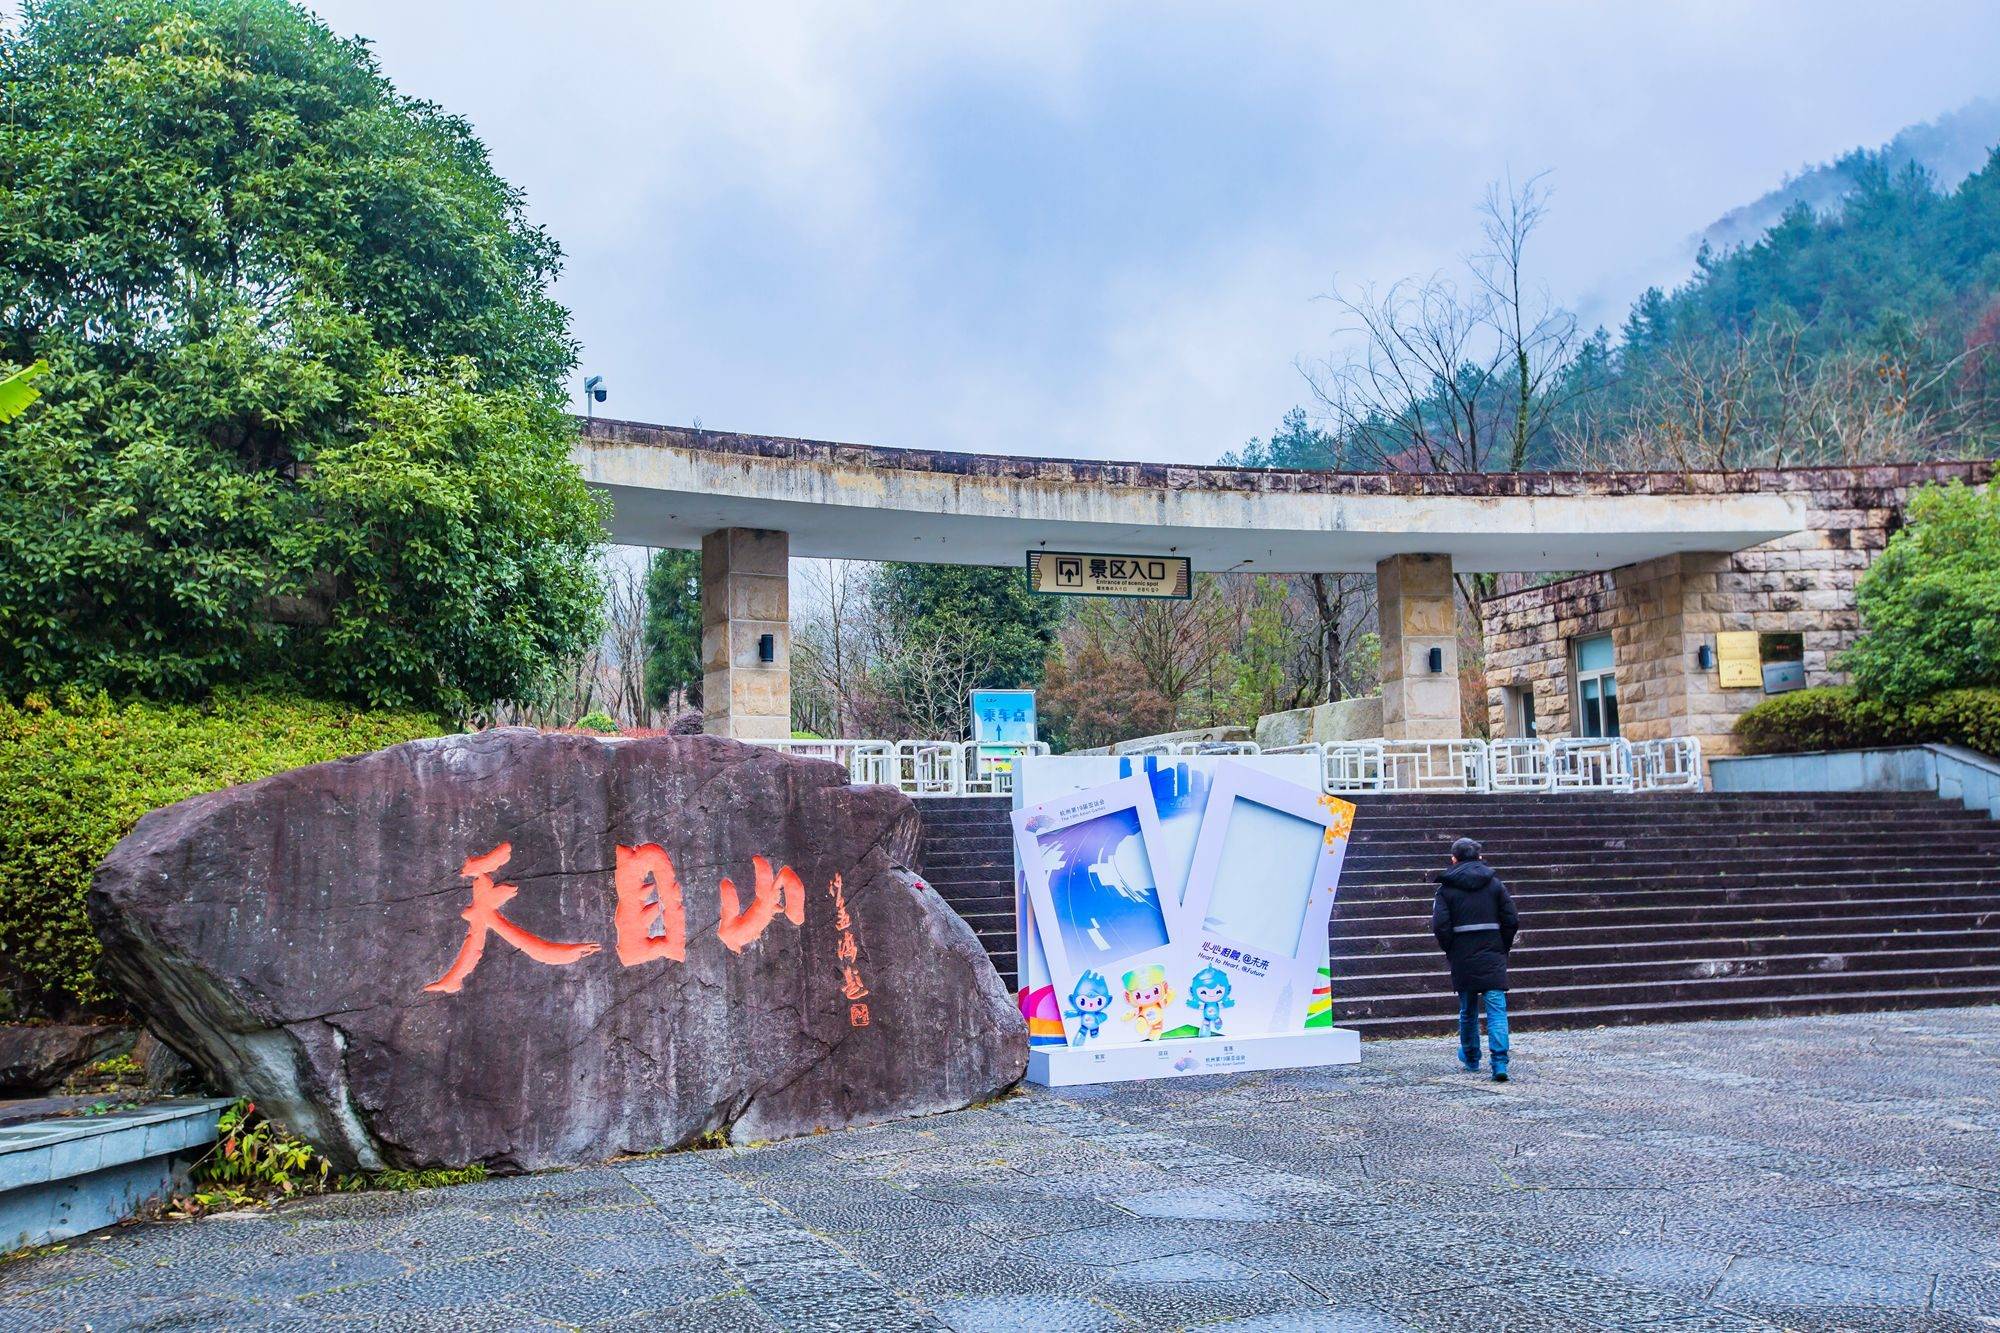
<point>1475,922</point>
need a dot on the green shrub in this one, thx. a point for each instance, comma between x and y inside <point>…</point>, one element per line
<point>76,774</point>
<point>1930,606</point>
<point>256,1161</point>
<point>1959,717</point>
<point>598,720</point>
<point>1839,718</point>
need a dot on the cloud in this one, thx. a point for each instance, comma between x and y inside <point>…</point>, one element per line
<point>1098,229</point>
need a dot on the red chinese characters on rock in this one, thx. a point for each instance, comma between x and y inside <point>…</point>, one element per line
<point>740,927</point>
<point>483,918</point>
<point>848,951</point>
<point>650,915</point>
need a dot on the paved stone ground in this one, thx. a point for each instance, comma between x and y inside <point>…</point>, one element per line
<point>1812,1173</point>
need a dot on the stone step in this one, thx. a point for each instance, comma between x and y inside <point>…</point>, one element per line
<point>1651,811</point>
<point>1679,1011</point>
<point>1775,840</point>
<point>1535,901</point>
<point>1690,934</point>
<point>1376,801</point>
<point>1730,947</point>
<point>1530,972</point>
<point>1420,890</point>
<point>1530,998</point>
<point>1530,861</point>
<point>1549,923</point>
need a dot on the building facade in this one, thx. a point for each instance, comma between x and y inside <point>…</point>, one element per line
<point>1683,645</point>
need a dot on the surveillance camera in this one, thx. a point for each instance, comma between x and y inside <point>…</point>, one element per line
<point>595,387</point>
<point>598,394</point>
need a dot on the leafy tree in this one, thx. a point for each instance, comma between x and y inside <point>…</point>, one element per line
<point>1868,331</point>
<point>1093,697</point>
<point>1004,629</point>
<point>1296,443</point>
<point>673,628</point>
<point>307,418</point>
<point>1930,605</point>
<point>18,391</point>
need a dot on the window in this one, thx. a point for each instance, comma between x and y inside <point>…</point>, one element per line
<point>1596,687</point>
<point>1520,707</point>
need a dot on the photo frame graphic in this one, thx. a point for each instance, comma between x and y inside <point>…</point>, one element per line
<point>1099,910</point>
<point>1261,885</point>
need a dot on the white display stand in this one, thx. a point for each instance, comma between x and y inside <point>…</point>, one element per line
<point>1067,1066</point>
<point>1172,913</point>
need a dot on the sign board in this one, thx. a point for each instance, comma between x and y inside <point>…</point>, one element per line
<point>1176,904</point>
<point>1780,677</point>
<point>1003,717</point>
<point>1101,574</point>
<point>1738,660</point>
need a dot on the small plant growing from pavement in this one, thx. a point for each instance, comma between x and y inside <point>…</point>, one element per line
<point>255,1162</point>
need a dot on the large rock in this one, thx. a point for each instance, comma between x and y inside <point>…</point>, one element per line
<point>37,1057</point>
<point>523,949</point>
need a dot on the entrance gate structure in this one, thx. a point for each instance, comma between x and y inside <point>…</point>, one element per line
<point>751,502</point>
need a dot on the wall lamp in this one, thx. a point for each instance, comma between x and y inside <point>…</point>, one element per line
<point>1437,661</point>
<point>1704,657</point>
<point>767,648</point>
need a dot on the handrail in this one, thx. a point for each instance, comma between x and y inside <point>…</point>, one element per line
<point>1591,763</point>
<point>1512,764</point>
<point>867,762</point>
<point>987,768</point>
<point>1520,764</point>
<point>930,768</point>
<point>1670,763</point>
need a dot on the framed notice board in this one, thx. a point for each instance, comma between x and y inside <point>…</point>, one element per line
<point>1738,660</point>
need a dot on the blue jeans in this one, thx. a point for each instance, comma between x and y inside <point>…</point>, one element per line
<point>1469,1004</point>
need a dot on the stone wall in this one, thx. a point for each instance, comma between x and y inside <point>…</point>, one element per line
<point>1344,720</point>
<point>1661,612</point>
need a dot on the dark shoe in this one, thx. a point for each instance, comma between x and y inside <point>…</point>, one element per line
<point>1499,1076</point>
<point>1471,1067</point>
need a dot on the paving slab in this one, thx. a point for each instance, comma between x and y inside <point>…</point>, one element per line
<point>1799,1173</point>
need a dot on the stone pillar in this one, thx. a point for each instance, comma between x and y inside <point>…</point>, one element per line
<point>1414,593</point>
<point>746,594</point>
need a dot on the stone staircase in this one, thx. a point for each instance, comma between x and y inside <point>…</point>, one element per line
<point>1672,906</point>
<point>1634,908</point>
<point>968,857</point>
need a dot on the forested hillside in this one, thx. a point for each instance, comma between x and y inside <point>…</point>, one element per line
<point>1861,333</point>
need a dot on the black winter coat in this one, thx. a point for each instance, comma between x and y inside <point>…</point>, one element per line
<point>1475,922</point>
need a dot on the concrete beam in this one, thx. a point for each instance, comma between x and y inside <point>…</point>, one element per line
<point>669,486</point>
<point>745,595</point>
<point>1419,615</point>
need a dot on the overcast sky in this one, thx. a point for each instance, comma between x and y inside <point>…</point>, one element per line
<point>1099,230</point>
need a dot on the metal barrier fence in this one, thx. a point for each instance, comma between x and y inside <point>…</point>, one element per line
<point>1512,764</point>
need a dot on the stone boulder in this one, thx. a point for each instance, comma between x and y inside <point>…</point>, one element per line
<point>37,1057</point>
<point>524,950</point>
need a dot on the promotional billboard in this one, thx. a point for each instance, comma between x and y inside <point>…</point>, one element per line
<point>1173,900</point>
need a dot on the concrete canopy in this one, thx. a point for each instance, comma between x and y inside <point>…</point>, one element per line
<point>669,486</point>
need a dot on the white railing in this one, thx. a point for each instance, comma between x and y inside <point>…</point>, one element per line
<point>1441,766</point>
<point>930,768</point>
<point>1591,763</point>
<point>871,762</point>
<point>1519,763</point>
<point>1217,747</point>
<point>1512,764</point>
<point>988,769</point>
<point>1670,764</point>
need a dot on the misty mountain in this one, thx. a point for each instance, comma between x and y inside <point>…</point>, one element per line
<point>1950,148</point>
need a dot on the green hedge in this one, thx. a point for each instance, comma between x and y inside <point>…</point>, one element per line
<point>75,775</point>
<point>1838,718</point>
